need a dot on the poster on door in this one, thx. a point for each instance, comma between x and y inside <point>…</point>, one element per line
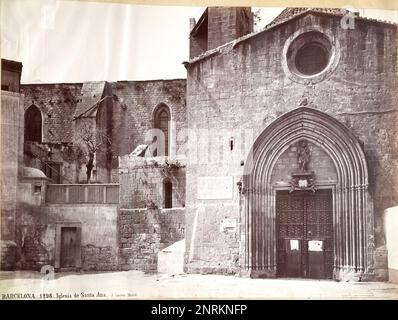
<point>294,245</point>
<point>315,245</point>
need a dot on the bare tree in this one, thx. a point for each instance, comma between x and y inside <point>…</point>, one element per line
<point>90,138</point>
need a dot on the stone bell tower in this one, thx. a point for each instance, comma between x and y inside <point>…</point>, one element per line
<point>217,26</point>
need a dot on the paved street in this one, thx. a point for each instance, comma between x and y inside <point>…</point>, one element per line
<point>137,285</point>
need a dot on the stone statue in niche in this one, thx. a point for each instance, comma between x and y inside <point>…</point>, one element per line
<point>303,155</point>
<point>304,179</point>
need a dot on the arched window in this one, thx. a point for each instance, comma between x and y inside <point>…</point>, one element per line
<point>33,124</point>
<point>161,121</point>
<point>168,194</point>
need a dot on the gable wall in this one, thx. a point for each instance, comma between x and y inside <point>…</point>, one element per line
<point>245,89</point>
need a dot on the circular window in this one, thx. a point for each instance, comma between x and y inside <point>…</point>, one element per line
<point>311,59</point>
<point>309,54</point>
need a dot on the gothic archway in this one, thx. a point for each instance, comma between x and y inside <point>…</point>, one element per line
<point>161,121</point>
<point>33,124</point>
<point>352,209</point>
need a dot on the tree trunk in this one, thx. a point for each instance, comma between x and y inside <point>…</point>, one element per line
<point>89,166</point>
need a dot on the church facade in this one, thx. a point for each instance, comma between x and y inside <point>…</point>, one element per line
<point>276,157</point>
<point>298,125</point>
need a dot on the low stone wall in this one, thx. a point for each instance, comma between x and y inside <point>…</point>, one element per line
<point>99,258</point>
<point>7,254</point>
<point>144,232</point>
<point>35,246</point>
<point>36,235</point>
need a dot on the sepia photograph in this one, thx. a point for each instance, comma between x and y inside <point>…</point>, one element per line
<point>187,151</point>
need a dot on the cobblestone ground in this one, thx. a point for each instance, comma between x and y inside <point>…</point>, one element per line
<point>137,285</point>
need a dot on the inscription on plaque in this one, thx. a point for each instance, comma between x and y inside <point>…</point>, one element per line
<point>315,245</point>
<point>215,188</point>
<point>228,225</point>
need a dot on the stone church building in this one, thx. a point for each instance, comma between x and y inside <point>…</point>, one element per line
<point>277,156</point>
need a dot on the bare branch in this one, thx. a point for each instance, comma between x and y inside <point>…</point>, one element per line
<point>90,138</point>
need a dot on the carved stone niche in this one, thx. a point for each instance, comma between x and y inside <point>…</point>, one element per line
<point>303,180</point>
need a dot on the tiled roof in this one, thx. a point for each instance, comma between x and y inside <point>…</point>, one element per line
<point>292,12</point>
<point>285,16</point>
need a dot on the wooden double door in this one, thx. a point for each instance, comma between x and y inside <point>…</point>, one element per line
<point>305,234</point>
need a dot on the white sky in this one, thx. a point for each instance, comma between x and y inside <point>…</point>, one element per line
<point>65,41</point>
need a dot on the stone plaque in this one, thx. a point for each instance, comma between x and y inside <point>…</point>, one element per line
<point>228,225</point>
<point>215,188</point>
<point>315,245</point>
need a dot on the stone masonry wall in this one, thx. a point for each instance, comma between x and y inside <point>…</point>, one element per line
<point>128,113</point>
<point>99,258</point>
<point>245,87</point>
<point>133,112</point>
<point>98,235</point>
<point>227,24</point>
<point>36,235</point>
<point>11,156</point>
<point>220,25</point>
<point>144,232</point>
<point>57,103</point>
<point>142,182</point>
<point>320,164</point>
<point>7,254</point>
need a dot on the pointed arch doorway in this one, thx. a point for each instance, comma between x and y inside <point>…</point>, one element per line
<point>333,180</point>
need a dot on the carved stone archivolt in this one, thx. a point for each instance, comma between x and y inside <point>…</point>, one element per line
<point>352,209</point>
